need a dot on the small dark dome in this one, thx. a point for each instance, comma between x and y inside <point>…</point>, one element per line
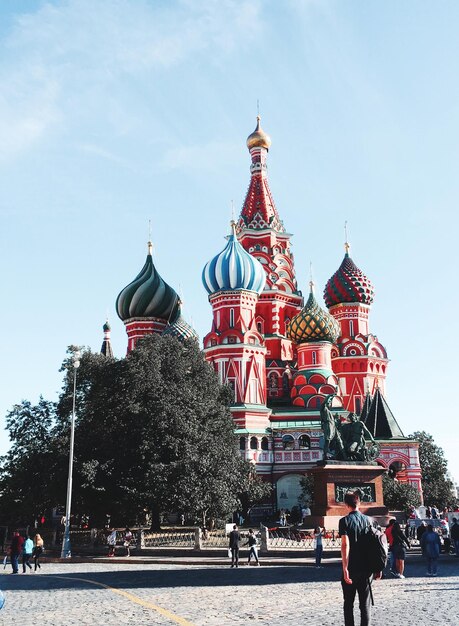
<point>181,330</point>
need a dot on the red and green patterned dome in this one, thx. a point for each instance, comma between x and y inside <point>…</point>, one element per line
<point>348,284</point>
<point>313,323</point>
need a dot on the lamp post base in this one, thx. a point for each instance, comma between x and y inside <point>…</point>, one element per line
<point>66,551</point>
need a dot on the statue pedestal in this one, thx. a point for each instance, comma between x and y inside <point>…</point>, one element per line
<point>333,479</point>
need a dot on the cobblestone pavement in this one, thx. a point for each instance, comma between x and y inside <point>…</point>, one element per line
<point>68,594</point>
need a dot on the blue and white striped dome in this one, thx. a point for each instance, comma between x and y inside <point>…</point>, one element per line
<point>233,269</point>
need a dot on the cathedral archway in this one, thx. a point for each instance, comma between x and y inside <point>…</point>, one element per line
<point>288,491</point>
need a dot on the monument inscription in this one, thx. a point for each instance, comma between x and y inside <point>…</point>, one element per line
<point>367,491</point>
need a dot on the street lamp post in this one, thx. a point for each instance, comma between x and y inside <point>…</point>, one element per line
<point>66,547</point>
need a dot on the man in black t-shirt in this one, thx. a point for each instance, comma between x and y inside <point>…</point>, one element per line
<point>355,578</point>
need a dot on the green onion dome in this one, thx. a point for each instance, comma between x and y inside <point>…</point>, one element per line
<point>348,284</point>
<point>148,295</point>
<point>313,323</point>
<point>181,330</point>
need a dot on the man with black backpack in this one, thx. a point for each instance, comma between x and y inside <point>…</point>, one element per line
<point>363,551</point>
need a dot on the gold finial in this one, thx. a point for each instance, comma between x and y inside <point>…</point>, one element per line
<point>347,245</point>
<point>149,244</point>
<point>232,211</point>
<point>311,279</point>
<point>233,227</point>
<point>258,139</point>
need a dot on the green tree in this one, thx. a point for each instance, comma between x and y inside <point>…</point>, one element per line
<point>307,488</point>
<point>399,496</point>
<point>27,470</point>
<point>437,488</point>
<point>154,432</point>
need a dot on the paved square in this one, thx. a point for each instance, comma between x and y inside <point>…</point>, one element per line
<point>116,594</point>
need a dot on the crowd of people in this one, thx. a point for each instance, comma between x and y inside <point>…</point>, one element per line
<point>24,549</point>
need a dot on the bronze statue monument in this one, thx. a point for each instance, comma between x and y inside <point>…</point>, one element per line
<point>346,441</point>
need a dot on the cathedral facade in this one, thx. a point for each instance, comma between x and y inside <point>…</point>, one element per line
<point>280,353</point>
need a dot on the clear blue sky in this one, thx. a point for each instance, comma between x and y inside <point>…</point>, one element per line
<point>116,112</point>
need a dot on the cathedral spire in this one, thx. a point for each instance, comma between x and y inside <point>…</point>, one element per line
<point>259,211</point>
<point>106,348</point>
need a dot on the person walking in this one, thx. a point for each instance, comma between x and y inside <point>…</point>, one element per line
<point>111,542</point>
<point>431,546</point>
<point>388,533</point>
<point>38,547</point>
<point>17,544</point>
<point>127,540</point>
<point>421,529</point>
<point>27,549</point>
<point>454,533</point>
<point>355,578</point>
<point>253,551</point>
<point>399,542</point>
<point>318,545</point>
<point>234,539</point>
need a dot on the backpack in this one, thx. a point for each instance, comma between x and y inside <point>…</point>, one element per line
<point>375,549</point>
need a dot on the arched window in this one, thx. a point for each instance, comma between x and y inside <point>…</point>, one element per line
<point>253,443</point>
<point>288,442</point>
<point>358,406</point>
<point>314,358</point>
<point>231,318</point>
<point>264,443</point>
<point>304,442</point>
<point>242,443</point>
<point>273,380</point>
<point>351,328</point>
<point>286,383</point>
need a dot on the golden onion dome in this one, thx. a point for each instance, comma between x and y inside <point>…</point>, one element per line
<point>313,323</point>
<point>258,139</point>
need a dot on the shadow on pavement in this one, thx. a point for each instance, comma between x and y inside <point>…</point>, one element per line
<point>195,576</point>
<point>161,578</point>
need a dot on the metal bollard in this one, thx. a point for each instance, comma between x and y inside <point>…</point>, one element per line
<point>140,541</point>
<point>197,539</point>
<point>264,548</point>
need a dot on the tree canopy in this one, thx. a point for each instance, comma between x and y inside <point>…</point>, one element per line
<point>399,496</point>
<point>437,488</point>
<point>153,433</point>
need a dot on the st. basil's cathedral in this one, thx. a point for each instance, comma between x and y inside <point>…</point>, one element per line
<point>281,356</point>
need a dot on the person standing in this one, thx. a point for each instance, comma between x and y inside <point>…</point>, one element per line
<point>27,550</point>
<point>38,547</point>
<point>399,542</point>
<point>17,544</point>
<point>318,545</point>
<point>431,546</point>
<point>234,539</point>
<point>127,540</point>
<point>355,578</point>
<point>111,542</point>
<point>454,533</point>
<point>388,533</point>
<point>252,543</point>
